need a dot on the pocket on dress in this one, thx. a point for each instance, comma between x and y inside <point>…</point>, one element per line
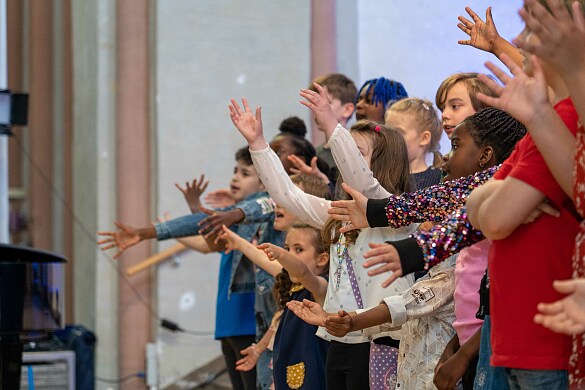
<point>295,375</point>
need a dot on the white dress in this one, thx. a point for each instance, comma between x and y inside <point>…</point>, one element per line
<point>313,211</point>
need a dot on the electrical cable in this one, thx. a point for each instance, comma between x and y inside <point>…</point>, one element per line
<point>152,312</point>
<point>122,379</point>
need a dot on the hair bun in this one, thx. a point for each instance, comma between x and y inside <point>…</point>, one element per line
<point>294,126</point>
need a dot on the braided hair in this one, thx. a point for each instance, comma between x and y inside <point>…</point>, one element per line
<point>384,91</point>
<point>495,128</point>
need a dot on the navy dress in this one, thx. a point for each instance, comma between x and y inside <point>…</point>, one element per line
<point>295,342</point>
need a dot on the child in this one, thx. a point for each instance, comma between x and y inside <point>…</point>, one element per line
<point>457,98</point>
<point>237,274</point>
<point>347,362</point>
<point>477,144</point>
<point>341,92</point>
<point>560,44</point>
<point>417,121</point>
<point>299,355</point>
<point>536,357</point>
<point>375,96</point>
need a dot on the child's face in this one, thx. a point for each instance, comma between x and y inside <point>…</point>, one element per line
<point>245,181</point>
<point>457,107</point>
<point>299,243</point>
<point>365,144</point>
<point>463,159</point>
<point>366,109</point>
<point>408,127</point>
<point>283,219</point>
<point>283,148</point>
<point>341,111</point>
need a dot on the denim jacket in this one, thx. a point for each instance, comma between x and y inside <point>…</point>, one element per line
<point>244,276</point>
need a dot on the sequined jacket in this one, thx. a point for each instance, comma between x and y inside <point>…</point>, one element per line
<point>444,203</point>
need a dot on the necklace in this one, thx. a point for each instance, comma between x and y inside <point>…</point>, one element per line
<point>341,249</point>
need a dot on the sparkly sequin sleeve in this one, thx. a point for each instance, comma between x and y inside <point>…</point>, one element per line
<point>430,204</point>
<point>447,238</point>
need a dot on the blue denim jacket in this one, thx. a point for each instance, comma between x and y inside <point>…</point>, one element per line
<point>244,276</point>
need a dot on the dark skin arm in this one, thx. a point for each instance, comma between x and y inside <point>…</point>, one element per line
<point>455,361</point>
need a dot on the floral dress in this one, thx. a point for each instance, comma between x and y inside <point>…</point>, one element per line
<point>577,362</point>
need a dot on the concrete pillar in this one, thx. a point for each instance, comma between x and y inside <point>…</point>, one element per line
<point>41,123</point>
<point>323,45</point>
<point>93,78</point>
<point>133,175</point>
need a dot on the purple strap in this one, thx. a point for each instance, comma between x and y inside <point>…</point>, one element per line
<point>353,280</point>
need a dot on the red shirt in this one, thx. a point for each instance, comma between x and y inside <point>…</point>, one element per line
<point>523,266</point>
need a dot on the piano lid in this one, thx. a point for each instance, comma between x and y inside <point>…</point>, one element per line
<point>13,253</point>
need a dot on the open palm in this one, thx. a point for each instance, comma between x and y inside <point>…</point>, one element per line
<point>249,124</point>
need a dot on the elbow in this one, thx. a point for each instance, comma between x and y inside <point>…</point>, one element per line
<point>494,228</point>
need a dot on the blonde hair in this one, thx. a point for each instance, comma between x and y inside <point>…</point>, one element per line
<point>426,119</point>
<point>473,85</point>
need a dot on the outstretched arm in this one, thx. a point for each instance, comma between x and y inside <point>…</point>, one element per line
<point>484,35</point>
<point>297,269</point>
<point>561,43</point>
<point>343,322</point>
<point>310,209</point>
<point>236,243</point>
<point>526,98</point>
<point>125,237</point>
<point>430,204</point>
<point>318,102</point>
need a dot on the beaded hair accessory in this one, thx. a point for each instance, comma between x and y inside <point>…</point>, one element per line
<point>377,128</point>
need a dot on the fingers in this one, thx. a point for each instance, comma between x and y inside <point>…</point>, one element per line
<point>347,228</point>
<point>565,286</point>
<point>473,15</point>
<point>546,208</point>
<point>259,114</point>
<point>246,105</point>
<point>551,308</point>
<point>236,108</point>
<point>500,74</point>
<point>488,16</point>
<point>395,275</point>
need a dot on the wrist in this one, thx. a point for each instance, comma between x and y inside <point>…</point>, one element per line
<point>146,233</point>
<point>258,144</point>
<point>238,215</point>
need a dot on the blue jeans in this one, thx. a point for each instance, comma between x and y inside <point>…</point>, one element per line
<point>537,379</point>
<point>487,376</point>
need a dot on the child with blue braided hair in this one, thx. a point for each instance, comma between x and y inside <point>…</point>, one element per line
<point>375,96</point>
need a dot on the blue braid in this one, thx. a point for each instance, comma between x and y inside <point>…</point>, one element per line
<point>384,91</point>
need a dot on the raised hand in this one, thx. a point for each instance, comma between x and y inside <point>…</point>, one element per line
<point>386,256</point>
<point>308,311</point>
<point>318,102</point>
<point>351,211</point>
<point>274,252</point>
<point>339,325</point>
<point>248,123</point>
<point>211,225</point>
<point>561,42</point>
<point>522,96</point>
<point>299,166</point>
<point>482,35</point>
<point>219,199</point>
<point>567,315</point>
<point>249,360</point>
<point>122,239</point>
<point>192,192</point>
